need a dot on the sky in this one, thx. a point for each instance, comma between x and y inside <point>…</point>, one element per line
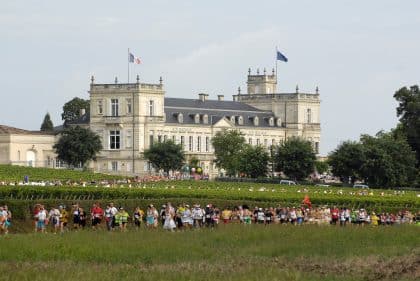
<point>357,52</point>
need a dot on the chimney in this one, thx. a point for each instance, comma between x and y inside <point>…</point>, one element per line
<point>82,112</point>
<point>220,97</point>
<point>202,96</point>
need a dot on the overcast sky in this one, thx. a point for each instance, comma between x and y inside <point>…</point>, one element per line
<point>358,53</point>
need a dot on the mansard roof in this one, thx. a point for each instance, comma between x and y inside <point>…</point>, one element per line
<point>209,104</point>
<point>215,111</point>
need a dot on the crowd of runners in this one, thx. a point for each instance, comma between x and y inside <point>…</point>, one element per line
<point>169,217</point>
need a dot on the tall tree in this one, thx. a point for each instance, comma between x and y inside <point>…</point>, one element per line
<point>227,147</point>
<point>165,156</point>
<point>253,161</point>
<point>47,124</point>
<point>72,108</point>
<point>408,111</point>
<point>346,161</point>
<point>295,157</point>
<point>389,160</point>
<point>77,145</point>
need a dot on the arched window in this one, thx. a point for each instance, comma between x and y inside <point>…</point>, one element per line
<point>278,122</point>
<point>232,119</point>
<point>180,118</point>
<point>271,121</point>
<point>256,121</point>
<point>240,120</point>
<point>205,119</point>
<point>197,118</point>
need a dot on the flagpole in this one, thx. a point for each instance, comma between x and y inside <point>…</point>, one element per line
<point>276,64</point>
<point>128,66</point>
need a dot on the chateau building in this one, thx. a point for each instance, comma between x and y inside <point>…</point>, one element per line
<point>129,117</point>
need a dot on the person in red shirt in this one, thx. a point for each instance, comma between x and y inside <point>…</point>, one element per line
<point>96,213</point>
<point>335,213</point>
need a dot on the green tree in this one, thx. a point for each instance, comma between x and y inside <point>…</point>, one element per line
<point>71,109</point>
<point>321,166</point>
<point>295,158</point>
<point>47,124</point>
<point>165,156</point>
<point>253,161</point>
<point>389,160</point>
<point>346,161</point>
<point>227,147</point>
<point>408,111</point>
<point>77,145</point>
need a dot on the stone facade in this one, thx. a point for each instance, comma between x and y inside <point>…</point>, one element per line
<point>130,117</point>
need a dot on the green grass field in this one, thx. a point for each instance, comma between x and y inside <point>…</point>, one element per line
<point>233,252</point>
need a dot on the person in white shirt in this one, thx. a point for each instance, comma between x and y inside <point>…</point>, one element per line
<point>41,219</point>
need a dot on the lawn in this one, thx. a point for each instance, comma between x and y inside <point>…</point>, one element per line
<point>233,252</point>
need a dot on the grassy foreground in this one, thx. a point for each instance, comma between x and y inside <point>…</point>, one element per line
<point>234,252</point>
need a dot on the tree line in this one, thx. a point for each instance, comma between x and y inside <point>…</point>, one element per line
<point>385,159</point>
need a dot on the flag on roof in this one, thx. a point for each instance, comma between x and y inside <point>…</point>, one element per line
<point>133,59</point>
<point>281,57</point>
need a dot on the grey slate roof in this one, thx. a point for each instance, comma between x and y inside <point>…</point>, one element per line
<point>216,110</point>
<point>209,104</point>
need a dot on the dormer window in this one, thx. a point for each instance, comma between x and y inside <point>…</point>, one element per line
<point>271,121</point>
<point>278,122</point>
<point>255,121</point>
<point>240,120</point>
<point>205,119</point>
<point>197,118</point>
<point>180,118</point>
<point>232,119</point>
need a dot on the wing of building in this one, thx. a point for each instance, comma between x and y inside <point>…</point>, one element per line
<point>130,117</point>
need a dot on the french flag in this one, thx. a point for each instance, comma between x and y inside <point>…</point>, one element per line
<point>133,59</point>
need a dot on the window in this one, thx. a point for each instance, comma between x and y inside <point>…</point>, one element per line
<point>190,143</point>
<point>150,140</point>
<point>129,139</point>
<point>240,120</point>
<point>273,142</point>
<point>114,107</point>
<point>182,142</point>
<point>258,141</point>
<point>205,119</point>
<point>265,142</point>
<point>308,116</point>
<point>271,121</point>
<point>151,108</point>
<point>129,107</point>
<point>100,107</point>
<point>48,161</point>
<point>317,147</point>
<point>256,121</point>
<point>165,138</point>
<point>174,139</point>
<point>114,139</point>
<point>197,118</point>
<point>159,138</point>
<point>232,119</point>
<point>198,143</point>
<point>278,122</point>
<point>207,144</point>
<point>114,166</point>
<point>250,141</point>
<point>180,118</point>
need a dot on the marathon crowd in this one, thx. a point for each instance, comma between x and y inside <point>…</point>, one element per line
<point>180,217</point>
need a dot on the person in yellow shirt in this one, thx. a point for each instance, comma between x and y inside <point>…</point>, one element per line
<point>374,219</point>
<point>226,215</point>
<point>64,218</point>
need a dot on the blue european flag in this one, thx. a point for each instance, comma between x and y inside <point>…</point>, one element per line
<point>281,57</point>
